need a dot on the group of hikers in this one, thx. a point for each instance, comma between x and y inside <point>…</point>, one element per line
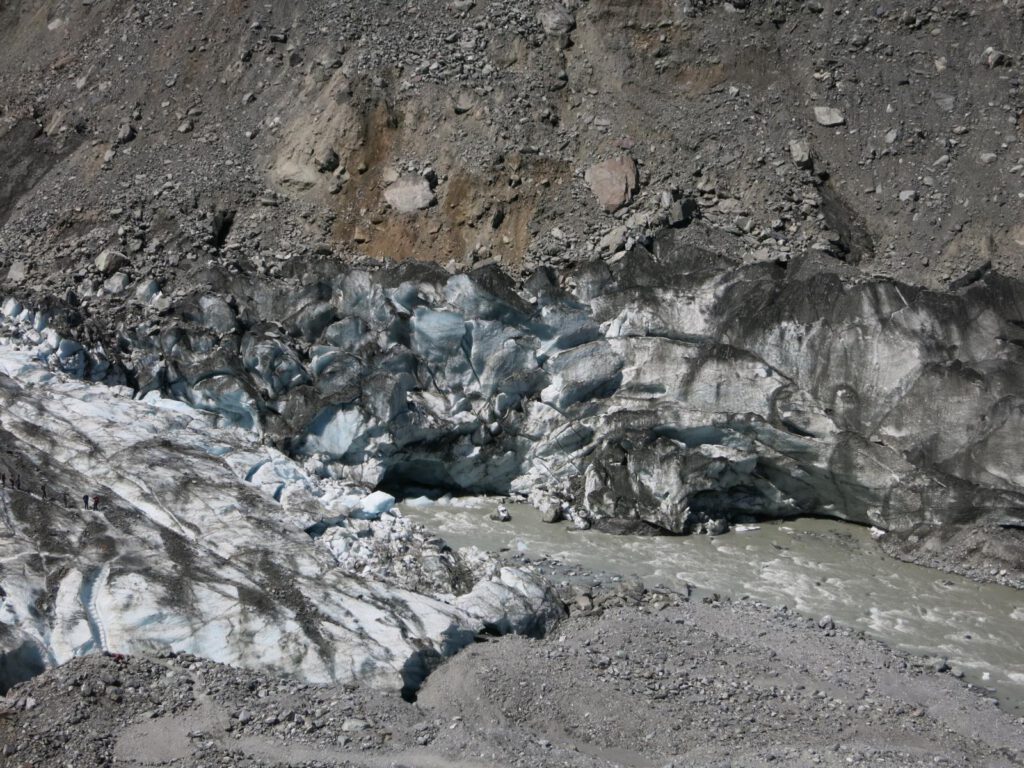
<point>14,482</point>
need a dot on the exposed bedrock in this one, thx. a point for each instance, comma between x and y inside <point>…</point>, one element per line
<point>673,390</point>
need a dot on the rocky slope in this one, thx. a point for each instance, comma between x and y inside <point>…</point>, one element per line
<point>464,132</point>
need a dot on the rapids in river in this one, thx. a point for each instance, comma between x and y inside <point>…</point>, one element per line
<point>817,567</point>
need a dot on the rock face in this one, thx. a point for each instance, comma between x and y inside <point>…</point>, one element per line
<point>613,182</point>
<point>672,390</point>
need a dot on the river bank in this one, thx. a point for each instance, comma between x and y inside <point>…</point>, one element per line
<point>634,677</point>
<point>815,567</point>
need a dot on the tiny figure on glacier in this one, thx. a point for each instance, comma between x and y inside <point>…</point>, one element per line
<point>501,514</point>
<point>85,501</point>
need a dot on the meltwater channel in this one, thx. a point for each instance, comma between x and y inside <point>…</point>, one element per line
<point>816,567</point>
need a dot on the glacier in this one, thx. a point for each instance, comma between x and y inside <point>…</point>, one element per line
<point>194,537</point>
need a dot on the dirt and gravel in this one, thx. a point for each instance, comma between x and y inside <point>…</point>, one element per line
<point>464,132</point>
<point>633,678</point>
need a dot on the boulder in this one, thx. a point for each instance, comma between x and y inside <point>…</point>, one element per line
<point>557,22</point>
<point>548,504</point>
<point>327,160</point>
<point>410,194</point>
<point>126,133</point>
<point>216,314</point>
<point>800,151</point>
<point>17,272</point>
<point>556,19</point>
<point>294,176</point>
<point>145,291</point>
<point>516,601</point>
<point>613,240</point>
<point>109,261</point>
<point>613,182</point>
<point>828,116</point>
<point>116,284</point>
<point>373,506</point>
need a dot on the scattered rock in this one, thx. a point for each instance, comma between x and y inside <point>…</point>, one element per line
<point>994,58</point>
<point>117,284</point>
<point>17,272</point>
<point>126,134</point>
<point>556,20</point>
<point>328,161</point>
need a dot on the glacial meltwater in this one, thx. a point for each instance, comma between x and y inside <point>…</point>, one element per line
<point>816,567</point>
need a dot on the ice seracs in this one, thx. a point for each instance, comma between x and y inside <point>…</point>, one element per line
<point>672,390</point>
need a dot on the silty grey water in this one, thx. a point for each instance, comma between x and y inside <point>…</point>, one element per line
<point>817,567</point>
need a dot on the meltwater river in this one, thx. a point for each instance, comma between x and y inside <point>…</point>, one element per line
<point>817,567</point>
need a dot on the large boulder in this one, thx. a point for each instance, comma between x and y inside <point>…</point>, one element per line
<point>613,182</point>
<point>410,195</point>
<point>109,261</point>
<point>17,272</point>
<point>556,19</point>
<point>557,22</point>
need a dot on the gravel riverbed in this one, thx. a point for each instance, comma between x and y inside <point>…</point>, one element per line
<point>634,677</point>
